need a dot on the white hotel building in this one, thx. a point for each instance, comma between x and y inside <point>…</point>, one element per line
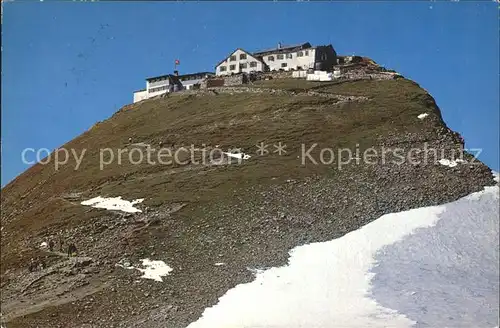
<point>282,58</point>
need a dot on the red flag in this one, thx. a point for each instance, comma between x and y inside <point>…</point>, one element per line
<point>177,62</point>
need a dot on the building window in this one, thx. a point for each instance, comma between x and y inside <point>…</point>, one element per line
<point>232,58</point>
<point>270,58</point>
<point>307,52</point>
<point>253,64</point>
<point>232,67</point>
<point>289,55</point>
<point>300,54</point>
<point>152,90</point>
<point>222,68</point>
<point>280,57</point>
<point>284,65</point>
<point>243,56</point>
<point>244,65</point>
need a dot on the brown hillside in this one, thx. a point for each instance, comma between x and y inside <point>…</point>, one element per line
<point>248,214</point>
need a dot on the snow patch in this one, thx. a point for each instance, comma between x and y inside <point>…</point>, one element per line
<point>114,204</point>
<point>43,245</point>
<point>219,264</point>
<point>450,163</point>
<point>452,266</point>
<point>423,115</point>
<point>496,176</point>
<point>151,269</point>
<point>237,155</point>
<point>154,269</point>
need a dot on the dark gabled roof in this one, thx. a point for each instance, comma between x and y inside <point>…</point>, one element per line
<point>158,77</point>
<point>194,74</point>
<point>232,52</point>
<point>283,49</point>
<point>183,75</point>
<point>325,46</point>
<point>171,78</point>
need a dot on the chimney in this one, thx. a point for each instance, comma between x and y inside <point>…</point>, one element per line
<point>279,45</point>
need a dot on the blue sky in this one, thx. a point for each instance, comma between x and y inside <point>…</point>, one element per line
<point>66,65</point>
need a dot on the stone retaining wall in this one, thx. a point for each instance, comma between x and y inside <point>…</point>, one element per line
<point>275,75</point>
<point>348,72</point>
<point>361,71</point>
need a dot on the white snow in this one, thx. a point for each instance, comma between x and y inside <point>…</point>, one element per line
<point>43,245</point>
<point>450,163</point>
<point>152,269</point>
<point>496,176</point>
<point>237,155</point>
<point>219,263</point>
<point>141,144</point>
<point>114,204</point>
<point>423,115</point>
<point>324,284</point>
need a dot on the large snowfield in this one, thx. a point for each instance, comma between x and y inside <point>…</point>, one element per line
<point>428,267</point>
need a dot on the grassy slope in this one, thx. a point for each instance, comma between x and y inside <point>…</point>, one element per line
<point>240,120</point>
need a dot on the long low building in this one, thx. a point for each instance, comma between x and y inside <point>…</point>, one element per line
<point>282,58</point>
<point>140,95</point>
<point>158,85</point>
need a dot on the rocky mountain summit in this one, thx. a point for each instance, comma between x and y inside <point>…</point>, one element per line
<point>324,159</point>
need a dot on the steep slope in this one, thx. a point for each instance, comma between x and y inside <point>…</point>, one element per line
<point>438,267</point>
<point>246,214</point>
